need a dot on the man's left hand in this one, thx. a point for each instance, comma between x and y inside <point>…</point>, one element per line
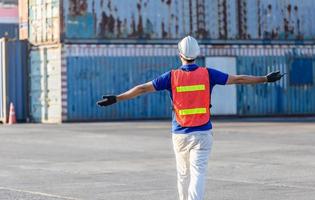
<point>274,76</point>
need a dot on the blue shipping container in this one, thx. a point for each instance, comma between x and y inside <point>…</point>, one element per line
<point>66,80</point>
<point>13,64</point>
<point>9,30</point>
<point>91,77</point>
<point>293,95</point>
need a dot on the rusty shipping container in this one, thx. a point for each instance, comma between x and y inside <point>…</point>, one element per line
<point>66,80</point>
<point>44,21</point>
<point>92,21</point>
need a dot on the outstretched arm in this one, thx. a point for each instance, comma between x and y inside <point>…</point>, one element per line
<point>246,79</point>
<point>136,91</point>
<point>133,92</point>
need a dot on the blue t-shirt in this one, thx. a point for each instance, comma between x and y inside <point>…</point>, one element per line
<point>163,82</point>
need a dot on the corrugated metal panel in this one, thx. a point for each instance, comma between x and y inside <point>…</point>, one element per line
<point>217,19</point>
<point>9,30</point>
<point>91,77</point>
<point>286,19</point>
<point>14,78</point>
<point>23,19</point>
<point>44,21</point>
<point>45,84</point>
<point>280,98</point>
<point>17,77</point>
<point>134,20</point>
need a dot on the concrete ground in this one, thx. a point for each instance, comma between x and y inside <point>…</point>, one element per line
<point>134,160</point>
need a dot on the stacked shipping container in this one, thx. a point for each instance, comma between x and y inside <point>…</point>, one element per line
<point>84,48</point>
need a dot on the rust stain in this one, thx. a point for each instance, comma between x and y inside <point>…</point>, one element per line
<point>133,26</point>
<point>109,5</point>
<point>289,8</point>
<point>201,19</point>
<point>259,18</point>
<point>164,33</point>
<point>190,17</point>
<point>140,24</point>
<point>78,7</point>
<point>168,2</point>
<point>102,25</point>
<point>176,26</point>
<point>119,27</point>
<point>109,22</point>
<point>223,19</point>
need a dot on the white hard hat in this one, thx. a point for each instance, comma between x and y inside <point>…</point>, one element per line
<point>188,48</point>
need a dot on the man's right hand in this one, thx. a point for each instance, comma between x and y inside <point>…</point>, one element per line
<point>107,100</point>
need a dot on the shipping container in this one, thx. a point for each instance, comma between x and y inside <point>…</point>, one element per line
<point>67,80</point>
<point>9,30</point>
<point>166,21</point>
<point>44,19</point>
<point>13,78</point>
<point>23,19</point>
<point>45,84</point>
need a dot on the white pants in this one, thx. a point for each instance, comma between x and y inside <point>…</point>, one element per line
<point>192,153</point>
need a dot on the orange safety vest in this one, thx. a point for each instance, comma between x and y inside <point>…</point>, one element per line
<point>191,96</point>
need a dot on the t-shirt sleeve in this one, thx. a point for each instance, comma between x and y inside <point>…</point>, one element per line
<point>217,77</point>
<point>162,82</point>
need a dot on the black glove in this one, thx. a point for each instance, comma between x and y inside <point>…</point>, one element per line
<point>107,100</point>
<point>274,76</point>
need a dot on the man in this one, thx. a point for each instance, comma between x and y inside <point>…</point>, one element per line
<point>190,89</point>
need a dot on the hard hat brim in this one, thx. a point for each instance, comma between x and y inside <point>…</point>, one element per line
<point>187,58</point>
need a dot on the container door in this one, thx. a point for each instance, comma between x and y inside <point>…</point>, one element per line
<point>53,85</point>
<point>45,85</point>
<point>37,91</point>
<point>223,98</point>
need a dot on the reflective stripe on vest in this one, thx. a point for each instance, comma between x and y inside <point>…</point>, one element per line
<point>190,88</point>
<point>192,111</point>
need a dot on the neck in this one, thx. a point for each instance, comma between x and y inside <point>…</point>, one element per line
<point>187,63</point>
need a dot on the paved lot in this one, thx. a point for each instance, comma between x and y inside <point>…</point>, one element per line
<point>134,160</point>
